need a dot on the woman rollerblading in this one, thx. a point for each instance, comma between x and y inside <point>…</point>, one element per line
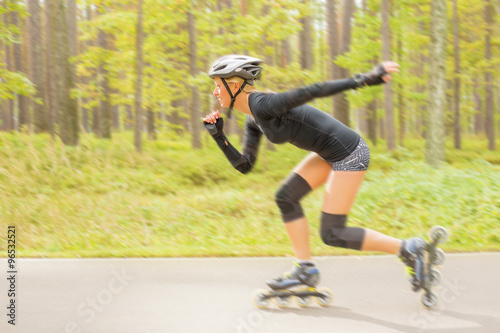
<point>338,158</point>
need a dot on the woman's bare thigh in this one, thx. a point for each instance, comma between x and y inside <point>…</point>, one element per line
<point>314,170</point>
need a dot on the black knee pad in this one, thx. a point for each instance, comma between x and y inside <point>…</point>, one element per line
<point>288,196</point>
<point>334,232</point>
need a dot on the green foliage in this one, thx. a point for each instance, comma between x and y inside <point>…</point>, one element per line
<point>258,30</point>
<point>410,25</point>
<point>166,47</point>
<point>12,83</point>
<point>104,199</point>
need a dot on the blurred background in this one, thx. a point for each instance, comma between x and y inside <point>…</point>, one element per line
<point>104,152</point>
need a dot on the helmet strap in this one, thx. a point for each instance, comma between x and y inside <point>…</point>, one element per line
<point>233,97</point>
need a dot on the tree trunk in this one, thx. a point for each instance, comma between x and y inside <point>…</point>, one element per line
<point>371,109</point>
<point>306,41</point>
<point>51,99</point>
<point>8,112</point>
<point>4,51</point>
<point>435,143</point>
<point>382,124</point>
<point>23,111</point>
<point>456,126</point>
<point>36,64</point>
<point>334,46</point>
<point>138,87</point>
<point>401,99</point>
<point>286,53</point>
<point>388,98</point>
<point>91,113</point>
<point>68,111</point>
<point>104,96</point>
<point>129,117</point>
<point>340,101</point>
<point>86,81</point>
<point>402,118</point>
<point>3,108</point>
<point>490,109</point>
<point>422,106</point>
<point>195,101</point>
<point>270,62</point>
<point>268,56</point>
<point>371,121</point>
<point>72,21</point>
<point>71,18</point>
<point>478,102</point>
<point>151,124</point>
<point>175,119</point>
<point>362,125</point>
<point>115,113</point>
<point>96,110</point>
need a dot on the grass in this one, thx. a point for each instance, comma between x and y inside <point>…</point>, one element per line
<point>103,199</point>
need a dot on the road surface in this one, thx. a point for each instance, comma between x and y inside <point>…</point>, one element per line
<point>214,295</point>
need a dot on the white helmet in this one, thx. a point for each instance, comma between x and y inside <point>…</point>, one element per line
<point>236,65</point>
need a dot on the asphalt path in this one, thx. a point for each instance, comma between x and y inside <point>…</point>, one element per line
<point>214,295</point>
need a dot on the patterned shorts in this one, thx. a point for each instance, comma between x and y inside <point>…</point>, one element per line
<point>357,161</point>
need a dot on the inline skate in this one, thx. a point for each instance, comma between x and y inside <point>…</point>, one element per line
<point>299,285</point>
<point>422,259</point>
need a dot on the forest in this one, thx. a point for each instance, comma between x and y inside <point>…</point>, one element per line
<point>104,153</point>
<point>70,67</point>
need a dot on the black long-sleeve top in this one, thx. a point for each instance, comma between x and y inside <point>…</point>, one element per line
<point>284,117</point>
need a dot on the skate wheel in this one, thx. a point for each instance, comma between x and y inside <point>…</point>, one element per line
<point>438,258</point>
<point>434,277</point>
<point>303,301</point>
<point>429,300</point>
<point>438,234</point>
<point>260,299</point>
<point>283,300</point>
<point>327,297</point>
